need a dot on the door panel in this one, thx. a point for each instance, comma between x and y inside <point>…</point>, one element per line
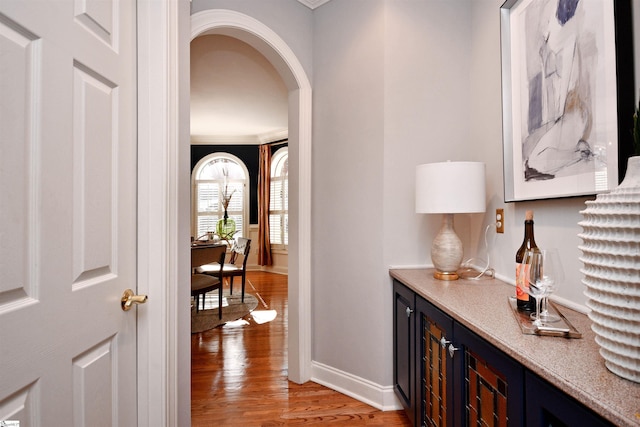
<point>492,382</point>
<point>94,200</point>
<point>19,58</point>
<point>404,347</point>
<point>93,373</point>
<point>436,406</point>
<point>67,212</point>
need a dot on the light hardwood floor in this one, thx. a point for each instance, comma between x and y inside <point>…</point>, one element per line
<point>239,373</point>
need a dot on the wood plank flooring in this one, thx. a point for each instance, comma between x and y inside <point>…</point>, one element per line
<point>239,373</point>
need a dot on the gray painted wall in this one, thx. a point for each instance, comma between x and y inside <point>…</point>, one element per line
<point>442,100</point>
<point>348,295</point>
<point>399,83</point>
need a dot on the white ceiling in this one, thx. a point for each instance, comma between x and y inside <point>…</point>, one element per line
<point>237,96</point>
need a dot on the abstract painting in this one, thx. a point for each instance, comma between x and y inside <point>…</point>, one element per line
<point>560,114</point>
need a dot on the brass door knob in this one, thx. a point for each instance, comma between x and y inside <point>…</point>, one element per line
<point>129,298</point>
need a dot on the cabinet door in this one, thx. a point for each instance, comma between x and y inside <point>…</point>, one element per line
<point>489,383</point>
<point>548,406</point>
<point>435,366</point>
<point>404,347</point>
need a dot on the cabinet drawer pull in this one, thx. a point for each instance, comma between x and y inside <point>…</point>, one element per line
<point>409,311</point>
<point>452,350</point>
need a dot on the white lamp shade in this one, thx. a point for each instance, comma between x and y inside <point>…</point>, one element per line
<point>450,187</point>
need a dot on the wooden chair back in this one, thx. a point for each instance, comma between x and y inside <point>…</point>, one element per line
<point>201,255</point>
<point>241,247</point>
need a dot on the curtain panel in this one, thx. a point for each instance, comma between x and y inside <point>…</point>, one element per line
<point>264,197</point>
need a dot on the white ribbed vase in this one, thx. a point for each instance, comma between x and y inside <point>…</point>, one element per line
<point>611,257</point>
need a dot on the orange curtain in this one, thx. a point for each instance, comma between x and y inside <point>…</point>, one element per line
<point>264,196</point>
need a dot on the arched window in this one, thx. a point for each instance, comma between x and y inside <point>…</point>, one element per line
<point>279,203</point>
<point>219,180</point>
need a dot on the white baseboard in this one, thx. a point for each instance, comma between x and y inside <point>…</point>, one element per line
<point>282,269</point>
<point>380,397</point>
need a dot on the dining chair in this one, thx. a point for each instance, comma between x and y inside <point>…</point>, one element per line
<point>237,266</point>
<point>203,283</point>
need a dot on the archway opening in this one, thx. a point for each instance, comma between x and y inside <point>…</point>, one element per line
<point>268,43</point>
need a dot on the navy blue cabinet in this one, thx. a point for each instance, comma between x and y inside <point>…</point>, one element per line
<point>447,375</point>
<point>444,374</point>
<point>463,380</point>
<point>547,406</point>
<point>436,352</point>
<point>404,348</point>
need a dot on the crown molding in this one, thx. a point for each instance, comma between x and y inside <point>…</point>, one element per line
<point>264,138</point>
<point>267,138</point>
<point>224,139</point>
<point>312,4</point>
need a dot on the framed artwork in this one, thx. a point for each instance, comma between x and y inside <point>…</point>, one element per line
<point>567,95</point>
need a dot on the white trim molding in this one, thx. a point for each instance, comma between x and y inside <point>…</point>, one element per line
<point>312,4</point>
<point>380,397</point>
<point>263,138</point>
<point>163,221</point>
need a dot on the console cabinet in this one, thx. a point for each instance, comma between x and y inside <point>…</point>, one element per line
<point>446,375</point>
<point>404,347</point>
<point>548,406</point>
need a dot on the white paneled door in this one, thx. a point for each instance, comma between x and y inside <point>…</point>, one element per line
<point>67,212</point>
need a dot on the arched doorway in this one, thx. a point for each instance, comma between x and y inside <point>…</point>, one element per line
<point>267,42</point>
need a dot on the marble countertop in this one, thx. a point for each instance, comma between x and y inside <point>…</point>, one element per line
<point>572,365</point>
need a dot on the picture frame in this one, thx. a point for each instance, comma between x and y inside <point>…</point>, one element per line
<point>568,96</point>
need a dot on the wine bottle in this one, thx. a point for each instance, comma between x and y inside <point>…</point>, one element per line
<point>524,300</point>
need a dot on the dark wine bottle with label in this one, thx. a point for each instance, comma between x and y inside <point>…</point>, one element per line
<point>524,300</point>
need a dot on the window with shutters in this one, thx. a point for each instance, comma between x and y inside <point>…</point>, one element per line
<point>219,179</point>
<point>279,203</point>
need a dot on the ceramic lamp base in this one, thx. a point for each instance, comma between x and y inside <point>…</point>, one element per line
<point>446,251</point>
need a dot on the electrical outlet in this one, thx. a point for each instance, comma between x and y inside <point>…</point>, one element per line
<point>499,220</point>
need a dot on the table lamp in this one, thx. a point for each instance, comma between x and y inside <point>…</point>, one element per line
<point>448,188</point>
